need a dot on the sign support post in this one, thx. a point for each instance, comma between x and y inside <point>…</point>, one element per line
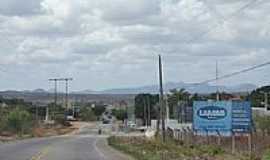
<point>233,143</point>
<point>250,144</point>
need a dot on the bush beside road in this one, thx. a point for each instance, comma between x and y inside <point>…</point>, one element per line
<point>146,149</point>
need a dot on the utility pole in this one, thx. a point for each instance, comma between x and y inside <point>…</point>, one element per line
<point>162,100</point>
<point>167,110</point>
<point>67,80</point>
<point>55,80</point>
<point>149,112</point>
<point>217,93</point>
<point>55,90</point>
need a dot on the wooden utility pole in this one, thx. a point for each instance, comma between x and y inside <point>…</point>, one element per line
<point>158,117</point>
<point>161,100</point>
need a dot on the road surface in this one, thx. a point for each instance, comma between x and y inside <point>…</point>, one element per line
<point>84,145</point>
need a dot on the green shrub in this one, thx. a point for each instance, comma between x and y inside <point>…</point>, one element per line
<point>266,155</point>
<point>120,114</point>
<point>262,123</point>
<point>86,114</point>
<point>19,121</point>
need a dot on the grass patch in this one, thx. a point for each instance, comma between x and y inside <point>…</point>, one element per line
<point>144,149</point>
<point>266,155</point>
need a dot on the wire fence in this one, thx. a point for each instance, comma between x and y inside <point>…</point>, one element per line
<point>254,144</point>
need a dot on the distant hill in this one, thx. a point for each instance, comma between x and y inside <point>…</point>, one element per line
<point>111,96</point>
<point>191,87</point>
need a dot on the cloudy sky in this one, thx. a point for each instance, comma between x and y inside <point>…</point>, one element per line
<point>114,43</point>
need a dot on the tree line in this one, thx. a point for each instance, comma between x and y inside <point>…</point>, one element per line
<point>181,97</point>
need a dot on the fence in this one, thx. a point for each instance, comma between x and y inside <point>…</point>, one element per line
<point>254,144</point>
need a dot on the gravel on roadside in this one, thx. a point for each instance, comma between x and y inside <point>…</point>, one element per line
<point>110,152</point>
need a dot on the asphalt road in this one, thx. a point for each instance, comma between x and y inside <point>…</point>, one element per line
<point>82,146</point>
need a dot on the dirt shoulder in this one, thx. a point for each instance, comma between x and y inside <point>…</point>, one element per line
<point>42,131</point>
<point>109,152</point>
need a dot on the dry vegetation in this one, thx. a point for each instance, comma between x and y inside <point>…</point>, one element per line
<point>143,149</point>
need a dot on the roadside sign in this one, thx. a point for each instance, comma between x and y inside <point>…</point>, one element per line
<point>221,117</point>
<point>212,117</point>
<point>241,117</point>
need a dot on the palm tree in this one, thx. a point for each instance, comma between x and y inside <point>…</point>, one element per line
<point>175,97</point>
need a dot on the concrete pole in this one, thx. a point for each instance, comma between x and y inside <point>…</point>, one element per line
<point>162,100</point>
<point>47,114</point>
<point>149,112</point>
<point>217,94</point>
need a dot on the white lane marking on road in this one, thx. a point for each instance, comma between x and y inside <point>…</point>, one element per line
<point>98,151</point>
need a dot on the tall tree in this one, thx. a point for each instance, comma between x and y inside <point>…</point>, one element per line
<point>257,96</point>
<point>141,106</point>
<point>175,97</point>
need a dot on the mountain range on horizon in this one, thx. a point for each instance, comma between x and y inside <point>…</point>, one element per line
<point>190,87</point>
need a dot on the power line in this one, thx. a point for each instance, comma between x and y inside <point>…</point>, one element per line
<point>55,80</point>
<point>225,19</point>
<point>236,73</point>
<point>214,10</point>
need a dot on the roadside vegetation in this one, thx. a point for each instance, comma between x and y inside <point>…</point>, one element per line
<point>154,149</point>
<point>87,114</point>
<point>262,123</point>
<point>19,119</point>
<point>120,114</point>
<point>19,122</point>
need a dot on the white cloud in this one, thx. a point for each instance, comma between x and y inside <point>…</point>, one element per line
<point>117,38</point>
<point>19,8</point>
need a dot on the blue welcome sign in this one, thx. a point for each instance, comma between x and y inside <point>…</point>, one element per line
<point>212,117</point>
<point>212,113</point>
<point>221,117</point>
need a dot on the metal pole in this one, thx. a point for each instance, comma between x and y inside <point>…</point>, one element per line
<point>149,112</point>
<point>66,93</point>
<point>162,100</point>
<point>55,92</point>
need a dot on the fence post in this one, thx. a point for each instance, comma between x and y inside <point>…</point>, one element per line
<point>207,135</point>
<point>192,137</point>
<point>250,144</point>
<point>219,138</point>
<point>184,136</point>
<point>233,143</point>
